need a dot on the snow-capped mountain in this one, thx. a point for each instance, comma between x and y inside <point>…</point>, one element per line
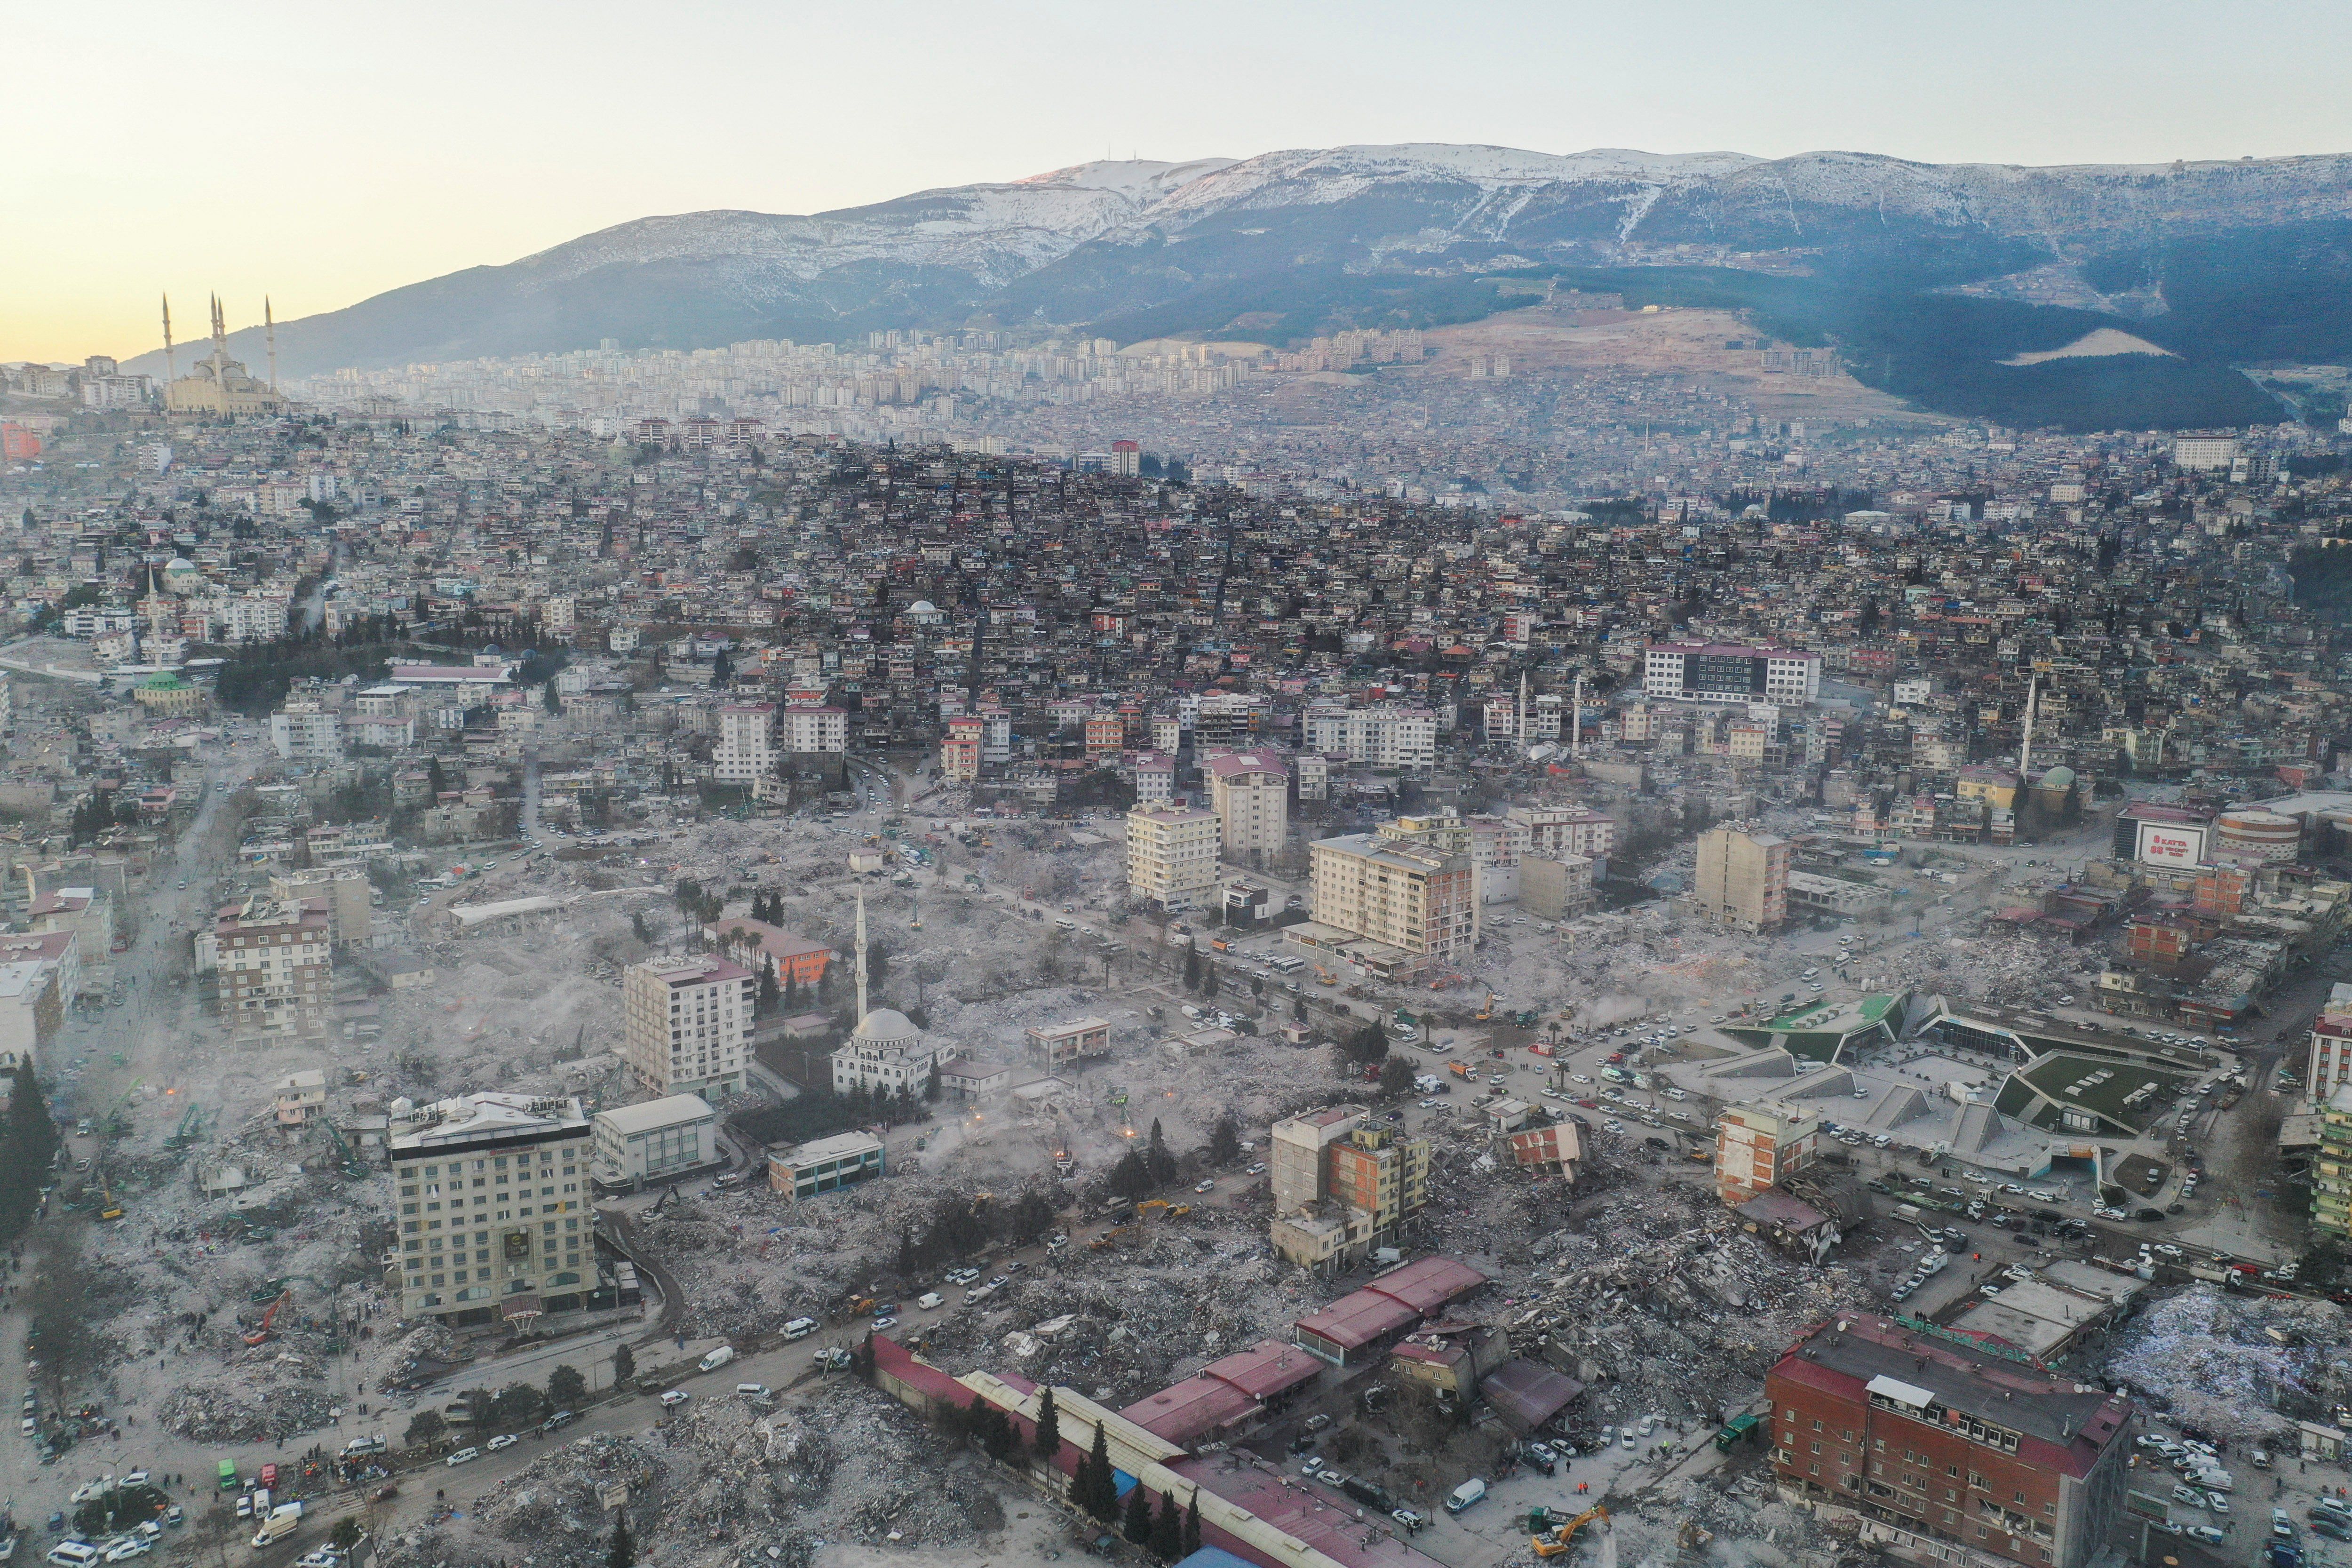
<point>1135,248</point>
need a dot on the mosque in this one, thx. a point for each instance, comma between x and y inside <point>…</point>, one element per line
<point>219,384</point>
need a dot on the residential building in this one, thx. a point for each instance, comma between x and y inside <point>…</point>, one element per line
<point>1341,1184</point>
<point>815,727</point>
<point>1155,778</point>
<point>346,890</point>
<point>1055,1045</point>
<point>1389,736</point>
<point>1556,830</point>
<point>747,743</point>
<point>686,1023</point>
<point>1742,879</point>
<point>273,966</point>
<point>826,1165</point>
<point>2328,1065</point>
<point>491,1212</point>
<point>1250,792</point>
<point>959,750</point>
<point>1947,1450</point>
<point>886,1054</point>
<point>1417,899</point>
<point>301,1098</point>
<point>32,1010</point>
<point>306,732</point>
<point>1760,1145</point>
<point>89,914</point>
<point>797,962</point>
<point>1557,887</point>
<point>1171,854</point>
<point>2331,1169</point>
<point>1730,672</point>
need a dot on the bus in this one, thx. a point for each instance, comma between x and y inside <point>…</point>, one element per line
<point>228,1475</point>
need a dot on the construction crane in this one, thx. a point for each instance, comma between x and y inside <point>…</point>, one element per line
<point>261,1335</point>
<point>1560,1537</point>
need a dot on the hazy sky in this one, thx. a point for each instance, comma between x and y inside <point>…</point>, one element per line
<point>324,152</point>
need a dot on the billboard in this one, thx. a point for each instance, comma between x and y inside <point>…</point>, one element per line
<point>2172,844</point>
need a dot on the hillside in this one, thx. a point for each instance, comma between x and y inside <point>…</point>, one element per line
<point>1926,277</point>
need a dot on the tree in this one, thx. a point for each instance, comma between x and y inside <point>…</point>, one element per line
<point>1167,1530</point>
<point>1192,969</point>
<point>346,1533</point>
<point>624,1554</point>
<point>877,962</point>
<point>625,1366</point>
<point>566,1389</point>
<point>1224,1140</point>
<point>1136,1526</point>
<point>1101,1498</point>
<point>30,1145</point>
<point>1131,1177</point>
<point>769,993</point>
<point>425,1428</point>
<point>932,1084</point>
<point>1048,1440</point>
<point>1396,1075</point>
<point>1157,1159</point>
<point>519,1406</point>
<point>549,696</point>
<point>1192,1523</point>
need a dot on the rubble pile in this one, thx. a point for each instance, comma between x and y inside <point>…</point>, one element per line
<point>723,1483</point>
<point>283,1398</point>
<point>2240,1367</point>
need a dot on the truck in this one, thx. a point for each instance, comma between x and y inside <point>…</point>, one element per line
<point>1739,1426</point>
<point>1907,1212</point>
<point>281,1522</point>
<point>1467,1494</point>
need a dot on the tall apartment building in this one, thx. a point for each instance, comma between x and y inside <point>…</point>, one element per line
<point>2331,1170</point>
<point>1730,672</point>
<point>747,743</point>
<point>1946,1452</point>
<point>1742,879</point>
<point>2204,452</point>
<point>273,965</point>
<point>305,733</point>
<point>1250,792</point>
<point>1171,853</point>
<point>2329,1066</point>
<point>1415,897</point>
<point>1340,1184</point>
<point>815,727</point>
<point>1390,735</point>
<point>1758,1146</point>
<point>960,752</point>
<point>686,1023</point>
<point>489,1206</point>
<point>1556,830</point>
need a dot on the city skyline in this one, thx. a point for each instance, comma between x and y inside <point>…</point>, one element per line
<point>437,158</point>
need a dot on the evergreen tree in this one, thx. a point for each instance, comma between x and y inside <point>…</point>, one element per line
<point>1167,1530</point>
<point>30,1144</point>
<point>1102,1491</point>
<point>1226,1140</point>
<point>1192,1523</point>
<point>769,995</point>
<point>625,1366</point>
<point>932,1084</point>
<point>1048,1441</point>
<point>624,1554</point>
<point>1136,1526</point>
<point>1192,969</point>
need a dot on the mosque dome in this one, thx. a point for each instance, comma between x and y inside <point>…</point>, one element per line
<point>887,1025</point>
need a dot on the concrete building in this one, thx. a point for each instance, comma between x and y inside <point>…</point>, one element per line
<point>686,1023</point>
<point>815,727</point>
<point>747,743</point>
<point>1415,897</point>
<point>273,963</point>
<point>490,1209</point>
<point>2328,1065</point>
<point>1556,830</point>
<point>635,1145</point>
<point>1730,672</point>
<point>1389,736</point>
<point>350,910</point>
<point>961,749</point>
<point>1250,792</point>
<point>1557,887</point>
<point>1760,1145</point>
<point>1742,879</point>
<point>1946,1451</point>
<point>32,1010</point>
<point>886,1054</point>
<point>87,913</point>
<point>306,732</point>
<point>2331,1168</point>
<point>1055,1045</point>
<point>1340,1185</point>
<point>757,945</point>
<point>826,1165</point>
<point>1171,854</point>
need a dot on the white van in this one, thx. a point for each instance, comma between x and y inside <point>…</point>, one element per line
<point>927,1300</point>
<point>799,1328</point>
<point>73,1553</point>
<point>752,1390</point>
<point>1470,1491</point>
<point>717,1358</point>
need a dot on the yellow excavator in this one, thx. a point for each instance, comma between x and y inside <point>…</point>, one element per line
<point>109,1209</point>
<point>1560,1537</point>
<point>1487,1012</point>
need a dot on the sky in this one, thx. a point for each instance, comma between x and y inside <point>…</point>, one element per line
<point>319,154</point>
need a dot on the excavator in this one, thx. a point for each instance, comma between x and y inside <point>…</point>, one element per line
<point>1560,1537</point>
<point>261,1335</point>
<point>1485,1013</point>
<point>109,1209</point>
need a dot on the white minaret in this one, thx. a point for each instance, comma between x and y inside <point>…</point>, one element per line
<point>270,326</point>
<point>1576,721</point>
<point>861,958</point>
<point>2025,749</point>
<point>171,365</point>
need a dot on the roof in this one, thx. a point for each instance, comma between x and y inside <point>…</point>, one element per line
<point>1190,1409</point>
<point>886,1023</point>
<point>475,1118</point>
<point>1428,1283</point>
<point>1783,1209</point>
<point>1528,1392</point>
<point>475,914</point>
<point>840,1146</point>
<point>1396,1299</point>
<point>1231,765</point>
<point>652,1115</point>
<point>1266,1369</point>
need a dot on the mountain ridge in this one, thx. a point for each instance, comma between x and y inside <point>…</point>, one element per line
<point>1346,234</point>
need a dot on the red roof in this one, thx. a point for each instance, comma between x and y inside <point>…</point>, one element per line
<point>1266,1369</point>
<point>1190,1409</point>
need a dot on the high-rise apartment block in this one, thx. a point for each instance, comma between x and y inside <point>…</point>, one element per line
<point>1742,879</point>
<point>2331,1169</point>
<point>1758,1146</point>
<point>1416,897</point>
<point>1250,792</point>
<point>1726,672</point>
<point>273,964</point>
<point>747,743</point>
<point>815,727</point>
<point>1171,853</point>
<point>490,1210</point>
<point>1340,1184</point>
<point>1389,735</point>
<point>1556,830</point>
<point>686,1023</point>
